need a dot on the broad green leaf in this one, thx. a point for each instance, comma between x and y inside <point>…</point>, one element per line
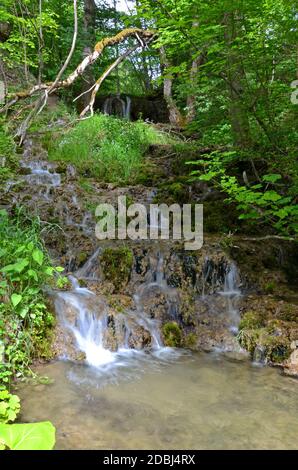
<point>16,267</point>
<point>38,256</point>
<point>272,178</point>
<point>16,299</point>
<point>49,271</point>
<point>59,269</point>
<point>31,436</point>
<point>33,274</point>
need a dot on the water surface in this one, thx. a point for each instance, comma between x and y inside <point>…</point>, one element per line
<point>199,401</point>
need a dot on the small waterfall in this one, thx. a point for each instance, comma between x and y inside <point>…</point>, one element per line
<point>232,294</point>
<point>42,175</point>
<point>91,269</point>
<point>128,108</point>
<point>106,336</point>
<point>85,315</point>
<point>115,105</point>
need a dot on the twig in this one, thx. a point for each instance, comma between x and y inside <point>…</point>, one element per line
<point>268,237</point>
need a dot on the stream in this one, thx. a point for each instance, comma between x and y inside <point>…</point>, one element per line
<point>115,382</point>
<point>176,401</point>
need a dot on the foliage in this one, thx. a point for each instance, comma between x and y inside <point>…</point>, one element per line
<point>29,436</point>
<point>24,271</point>
<point>8,160</point>
<point>23,41</point>
<point>106,147</point>
<point>9,406</point>
<point>270,199</point>
<point>246,61</point>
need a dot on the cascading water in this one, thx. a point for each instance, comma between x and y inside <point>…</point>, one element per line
<point>41,175</point>
<point>232,294</point>
<point>89,323</point>
<point>91,269</point>
<point>107,338</point>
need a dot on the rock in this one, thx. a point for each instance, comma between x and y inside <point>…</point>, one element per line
<point>291,367</point>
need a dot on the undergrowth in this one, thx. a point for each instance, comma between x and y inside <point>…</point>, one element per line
<point>25,320</point>
<point>107,148</point>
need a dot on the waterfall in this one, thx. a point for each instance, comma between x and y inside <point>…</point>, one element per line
<point>232,294</point>
<point>128,108</point>
<point>115,105</point>
<point>41,175</point>
<point>90,270</point>
<point>89,322</point>
<point>106,337</point>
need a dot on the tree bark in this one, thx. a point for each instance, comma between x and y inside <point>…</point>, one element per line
<point>89,38</point>
<point>175,116</point>
<point>236,77</point>
<point>191,99</point>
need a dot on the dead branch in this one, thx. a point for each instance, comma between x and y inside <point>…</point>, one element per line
<point>48,88</point>
<point>101,79</point>
<point>108,71</point>
<point>269,237</point>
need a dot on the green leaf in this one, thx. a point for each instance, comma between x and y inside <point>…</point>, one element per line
<point>272,178</point>
<point>37,255</point>
<point>24,311</point>
<point>59,269</point>
<point>49,271</point>
<point>31,436</point>
<point>16,267</point>
<point>33,274</point>
<point>16,299</point>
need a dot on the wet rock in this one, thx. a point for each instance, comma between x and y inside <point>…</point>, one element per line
<point>291,366</point>
<point>116,265</point>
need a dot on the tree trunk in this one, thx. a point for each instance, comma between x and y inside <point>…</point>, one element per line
<point>236,77</point>
<point>191,99</point>
<point>175,117</point>
<point>89,39</point>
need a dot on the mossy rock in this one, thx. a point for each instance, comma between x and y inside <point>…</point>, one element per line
<point>116,265</point>
<point>219,216</point>
<point>190,341</point>
<point>82,258</point>
<point>252,320</point>
<point>275,345</point>
<point>172,334</point>
<point>173,192</point>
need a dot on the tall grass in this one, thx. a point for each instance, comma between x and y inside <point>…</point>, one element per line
<point>107,147</point>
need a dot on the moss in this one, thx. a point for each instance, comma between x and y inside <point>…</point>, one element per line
<point>172,334</point>
<point>82,258</point>
<point>116,265</point>
<point>173,192</point>
<point>219,217</point>
<point>288,312</point>
<point>252,320</point>
<point>270,287</point>
<point>276,345</point>
<point>187,309</point>
<point>190,341</point>
<point>42,342</point>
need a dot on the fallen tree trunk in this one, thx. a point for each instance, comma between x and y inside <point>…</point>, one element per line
<point>142,36</point>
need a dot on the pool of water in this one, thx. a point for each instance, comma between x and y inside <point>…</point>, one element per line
<point>166,401</point>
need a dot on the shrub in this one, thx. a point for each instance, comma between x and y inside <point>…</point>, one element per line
<point>106,147</point>
<point>24,318</point>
